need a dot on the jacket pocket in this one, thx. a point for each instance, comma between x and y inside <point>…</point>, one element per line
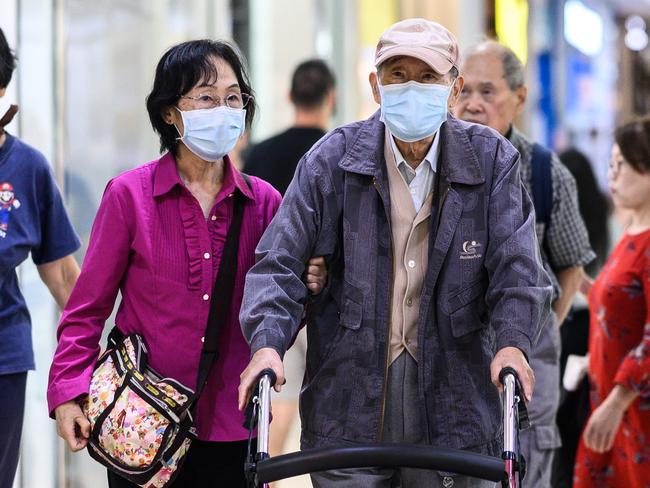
<point>330,330</point>
<point>351,307</point>
<point>466,309</point>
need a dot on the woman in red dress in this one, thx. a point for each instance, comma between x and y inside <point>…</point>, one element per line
<point>615,446</point>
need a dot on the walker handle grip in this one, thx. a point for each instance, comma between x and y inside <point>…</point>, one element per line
<point>523,421</point>
<point>506,371</point>
<point>273,378</point>
<point>251,415</point>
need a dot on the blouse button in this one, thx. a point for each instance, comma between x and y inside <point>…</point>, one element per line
<point>411,264</point>
<point>206,255</point>
<point>205,297</point>
<point>213,218</point>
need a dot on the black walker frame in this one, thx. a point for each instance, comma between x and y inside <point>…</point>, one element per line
<point>261,469</point>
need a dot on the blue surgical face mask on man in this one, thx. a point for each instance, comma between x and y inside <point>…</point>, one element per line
<point>413,111</point>
<point>212,133</point>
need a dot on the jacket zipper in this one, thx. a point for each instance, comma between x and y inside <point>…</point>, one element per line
<point>441,203</point>
<point>380,433</point>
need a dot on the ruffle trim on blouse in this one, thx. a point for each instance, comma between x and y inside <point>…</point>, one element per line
<point>193,245</point>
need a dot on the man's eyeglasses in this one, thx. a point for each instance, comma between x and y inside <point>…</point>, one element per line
<point>233,100</point>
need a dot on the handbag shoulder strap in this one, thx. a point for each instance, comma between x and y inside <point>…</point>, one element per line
<point>221,293</point>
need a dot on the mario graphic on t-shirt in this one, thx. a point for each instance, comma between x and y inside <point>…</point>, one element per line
<point>8,203</point>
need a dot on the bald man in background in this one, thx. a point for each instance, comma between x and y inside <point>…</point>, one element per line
<point>494,94</point>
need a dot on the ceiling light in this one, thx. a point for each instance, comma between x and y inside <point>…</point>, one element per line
<point>636,39</point>
<point>634,22</point>
<point>583,27</point>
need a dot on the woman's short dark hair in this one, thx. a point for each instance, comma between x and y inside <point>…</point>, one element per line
<point>180,69</point>
<point>633,139</point>
<point>7,61</point>
<point>593,205</point>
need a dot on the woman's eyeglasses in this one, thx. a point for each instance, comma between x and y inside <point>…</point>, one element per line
<point>233,100</point>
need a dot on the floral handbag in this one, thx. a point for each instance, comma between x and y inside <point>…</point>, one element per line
<point>142,423</point>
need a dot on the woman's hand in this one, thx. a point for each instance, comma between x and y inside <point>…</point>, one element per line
<point>315,275</point>
<point>602,428</point>
<point>605,421</point>
<point>72,425</point>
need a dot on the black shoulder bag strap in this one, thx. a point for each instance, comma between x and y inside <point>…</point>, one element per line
<point>221,293</point>
<point>542,183</point>
<point>8,117</point>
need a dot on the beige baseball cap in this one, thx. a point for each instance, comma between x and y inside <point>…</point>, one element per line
<point>422,39</point>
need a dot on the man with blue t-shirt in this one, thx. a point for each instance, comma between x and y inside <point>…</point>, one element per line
<point>32,219</point>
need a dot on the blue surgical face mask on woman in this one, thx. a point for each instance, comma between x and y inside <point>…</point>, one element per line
<point>212,133</point>
<point>413,111</point>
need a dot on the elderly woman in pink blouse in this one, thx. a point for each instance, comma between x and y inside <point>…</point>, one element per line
<point>158,238</point>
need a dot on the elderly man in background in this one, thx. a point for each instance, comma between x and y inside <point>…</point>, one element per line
<point>494,94</point>
<point>435,278</point>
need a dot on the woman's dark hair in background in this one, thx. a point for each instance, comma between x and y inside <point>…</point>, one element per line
<point>593,204</point>
<point>633,139</point>
<point>7,61</point>
<point>180,69</point>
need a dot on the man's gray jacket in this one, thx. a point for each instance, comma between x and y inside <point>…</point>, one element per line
<point>485,287</point>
